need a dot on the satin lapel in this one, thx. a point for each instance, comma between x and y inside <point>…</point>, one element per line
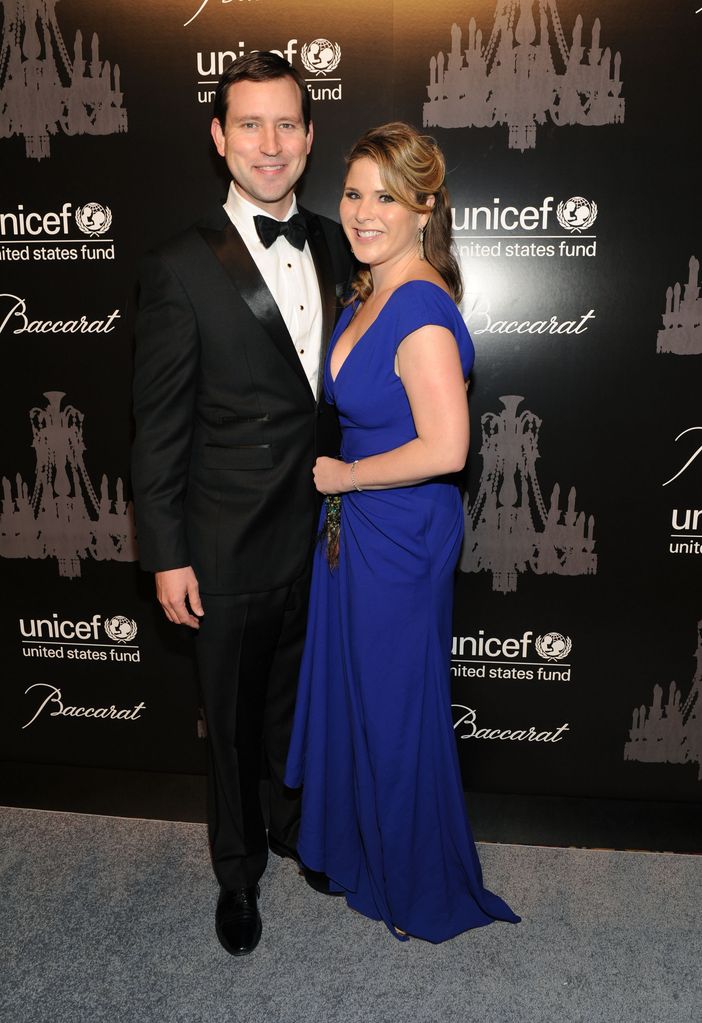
<point>322,259</point>
<point>236,259</point>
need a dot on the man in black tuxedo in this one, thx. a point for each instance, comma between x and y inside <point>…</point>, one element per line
<point>235,315</point>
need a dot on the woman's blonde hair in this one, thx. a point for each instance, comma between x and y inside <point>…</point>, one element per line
<point>411,168</point>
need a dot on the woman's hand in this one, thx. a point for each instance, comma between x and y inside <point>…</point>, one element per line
<point>332,476</point>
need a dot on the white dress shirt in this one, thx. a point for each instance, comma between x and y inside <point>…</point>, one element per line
<point>291,279</point>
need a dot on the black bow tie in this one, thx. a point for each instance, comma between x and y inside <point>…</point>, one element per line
<point>295,230</point>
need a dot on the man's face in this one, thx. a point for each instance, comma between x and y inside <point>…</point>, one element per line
<point>264,141</point>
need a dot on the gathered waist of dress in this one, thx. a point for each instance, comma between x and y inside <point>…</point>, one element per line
<point>350,453</point>
<point>427,487</point>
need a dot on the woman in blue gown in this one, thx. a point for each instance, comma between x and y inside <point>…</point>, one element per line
<point>383,814</point>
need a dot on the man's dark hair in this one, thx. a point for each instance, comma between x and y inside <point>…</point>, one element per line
<point>261,66</point>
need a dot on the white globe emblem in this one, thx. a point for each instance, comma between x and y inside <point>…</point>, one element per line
<point>553,646</point>
<point>93,218</point>
<point>320,56</point>
<point>120,629</point>
<point>576,214</point>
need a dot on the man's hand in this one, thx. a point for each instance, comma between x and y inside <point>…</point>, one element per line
<point>172,588</point>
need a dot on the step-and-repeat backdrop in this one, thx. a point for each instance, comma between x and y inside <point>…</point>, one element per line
<point>569,128</point>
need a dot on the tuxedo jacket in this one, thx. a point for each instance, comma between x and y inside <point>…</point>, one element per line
<point>227,426</point>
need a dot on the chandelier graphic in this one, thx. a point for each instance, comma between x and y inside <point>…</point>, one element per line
<point>672,732</point>
<point>518,79</point>
<point>63,517</point>
<point>682,319</point>
<point>508,528</point>
<point>42,90</point>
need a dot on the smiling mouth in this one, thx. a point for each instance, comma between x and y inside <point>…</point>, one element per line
<point>366,235</point>
<point>270,168</point>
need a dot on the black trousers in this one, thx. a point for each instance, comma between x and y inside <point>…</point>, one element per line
<point>248,651</point>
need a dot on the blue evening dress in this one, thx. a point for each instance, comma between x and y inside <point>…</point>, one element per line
<point>383,812</point>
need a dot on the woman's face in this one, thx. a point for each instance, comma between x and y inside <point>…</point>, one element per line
<point>379,229</point>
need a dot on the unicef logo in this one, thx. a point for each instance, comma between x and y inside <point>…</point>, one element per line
<point>576,214</point>
<point>120,629</point>
<point>320,56</point>
<point>93,218</point>
<point>552,646</point>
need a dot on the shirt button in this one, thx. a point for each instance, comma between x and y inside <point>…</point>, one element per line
<point>302,307</point>
<point>289,266</point>
<point>302,351</point>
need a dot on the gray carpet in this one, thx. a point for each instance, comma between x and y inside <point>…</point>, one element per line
<point>106,920</point>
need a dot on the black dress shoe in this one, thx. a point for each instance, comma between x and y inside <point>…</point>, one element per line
<point>238,921</point>
<point>280,849</point>
<point>318,881</point>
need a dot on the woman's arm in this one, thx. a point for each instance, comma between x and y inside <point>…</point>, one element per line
<point>429,366</point>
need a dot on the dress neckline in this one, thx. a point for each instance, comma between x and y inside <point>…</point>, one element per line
<point>372,324</point>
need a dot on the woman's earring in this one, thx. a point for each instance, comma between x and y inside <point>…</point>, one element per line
<point>421,242</point>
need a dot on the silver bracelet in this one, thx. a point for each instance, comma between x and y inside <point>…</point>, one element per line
<point>353,476</point>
